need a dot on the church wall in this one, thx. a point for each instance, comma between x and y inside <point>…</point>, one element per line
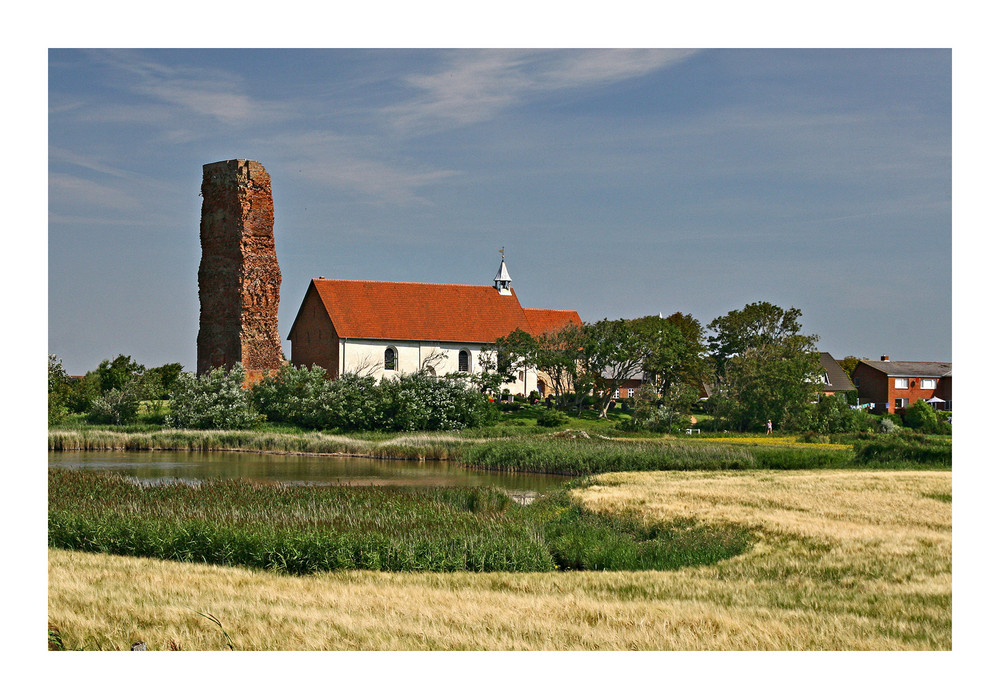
<point>313,338</point>
<point>368,357</point>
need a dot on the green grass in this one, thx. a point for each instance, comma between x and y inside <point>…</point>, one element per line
<point>582,456</point>
<point>303,530</point>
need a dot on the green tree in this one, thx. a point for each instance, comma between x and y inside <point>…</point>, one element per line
<point>616,351</point>
<point>123,386</point>
<point>676,352</point>
<point>58,389</point>
<point>558,357</point>
<point>83,391</point>
<point>119,372</point>
<point>848,364</point>
<point>766,369</point>
<point>662,412</point>
<point>774,382</point>
<point>756,325</point>
<point>160,380</point>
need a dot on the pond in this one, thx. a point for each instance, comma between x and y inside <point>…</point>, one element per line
<point>161,466</point>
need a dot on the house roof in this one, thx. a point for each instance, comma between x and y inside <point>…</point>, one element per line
<point>837,377</point>
<point>543,320</point>
<point>914,369</point>
<point>428,312</point>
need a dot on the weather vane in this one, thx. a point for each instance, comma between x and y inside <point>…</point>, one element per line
<point>501,253</point>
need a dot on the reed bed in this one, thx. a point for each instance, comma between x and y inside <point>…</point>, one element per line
<point>402,447</point>
<point>304,530</point>
<point>773,440</point>
<point>890,450</point>
<point>590,456</point>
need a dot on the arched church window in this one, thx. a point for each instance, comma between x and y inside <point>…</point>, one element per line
<point>463,361</point>
<point>390,359</point>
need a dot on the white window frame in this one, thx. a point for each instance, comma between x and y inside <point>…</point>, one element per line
<point>631,392</point>
<point>616,394</point>
<point>928,384</point>
<point>902,383</point>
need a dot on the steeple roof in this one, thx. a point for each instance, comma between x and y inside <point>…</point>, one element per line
<point>502,274</point>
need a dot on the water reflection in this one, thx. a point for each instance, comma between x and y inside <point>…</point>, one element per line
<point>161,466</point>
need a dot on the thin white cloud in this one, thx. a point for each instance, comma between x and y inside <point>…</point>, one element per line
<point>62,155</point>
<point>476,86</point>
<point>77,192</point>
<point>332,160</point>
<point>191,92</point>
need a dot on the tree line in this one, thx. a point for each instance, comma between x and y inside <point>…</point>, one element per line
<point>755,365</point>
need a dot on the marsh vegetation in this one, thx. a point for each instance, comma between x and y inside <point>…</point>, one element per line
<point>846,560</point>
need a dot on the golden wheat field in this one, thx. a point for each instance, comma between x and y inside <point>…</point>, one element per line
<point>844,560</point>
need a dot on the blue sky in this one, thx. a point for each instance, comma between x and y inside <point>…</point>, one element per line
<point>620,183</point>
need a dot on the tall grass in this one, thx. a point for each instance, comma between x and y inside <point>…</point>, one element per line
<point>402,447</point>
<point>891,450</point>
<point>589,456</point>
<point>293,529</point>
<point>311,529</point>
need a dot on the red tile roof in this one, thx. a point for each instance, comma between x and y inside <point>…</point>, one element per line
<point>429,312</point>
<point>543,320</point>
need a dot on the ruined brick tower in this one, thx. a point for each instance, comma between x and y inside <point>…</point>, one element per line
<point>239,279</point>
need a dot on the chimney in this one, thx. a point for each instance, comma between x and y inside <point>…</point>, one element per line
<point>885,358</point>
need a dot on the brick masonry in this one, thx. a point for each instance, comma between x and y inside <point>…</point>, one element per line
<point>239,278</point>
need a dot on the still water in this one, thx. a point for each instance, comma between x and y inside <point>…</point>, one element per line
<point>163,466</point>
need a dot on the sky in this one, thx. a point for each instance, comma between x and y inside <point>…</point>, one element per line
<point>620,183</point>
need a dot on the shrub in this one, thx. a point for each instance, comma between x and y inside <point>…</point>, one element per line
<point>922,417</point>
<point>419,402</point>
<point>308,398</point>
<point>829,415</point>
<point>550,417</point>
<point>887,426</point>
<point>216,400</point>
<point>115,406</point>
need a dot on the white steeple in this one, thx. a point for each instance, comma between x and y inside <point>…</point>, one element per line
<point>502,281</point>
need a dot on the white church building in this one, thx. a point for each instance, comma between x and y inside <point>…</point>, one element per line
<point>385,329</point>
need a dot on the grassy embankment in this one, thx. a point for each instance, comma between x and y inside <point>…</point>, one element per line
<point>513,446</point>
<point>845,560</point>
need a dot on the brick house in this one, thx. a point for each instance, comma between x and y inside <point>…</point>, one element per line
<point>388,328</point>
<point>630,386</point>
<point>894,386</point>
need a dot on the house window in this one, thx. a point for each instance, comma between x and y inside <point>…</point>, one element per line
<point>616,395</point>
<point>901,403</point>
<point>902,383</point>
<point>631,392</point>
<point>463,361</point>
<point>928,383</point>
<point>390,359</point>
